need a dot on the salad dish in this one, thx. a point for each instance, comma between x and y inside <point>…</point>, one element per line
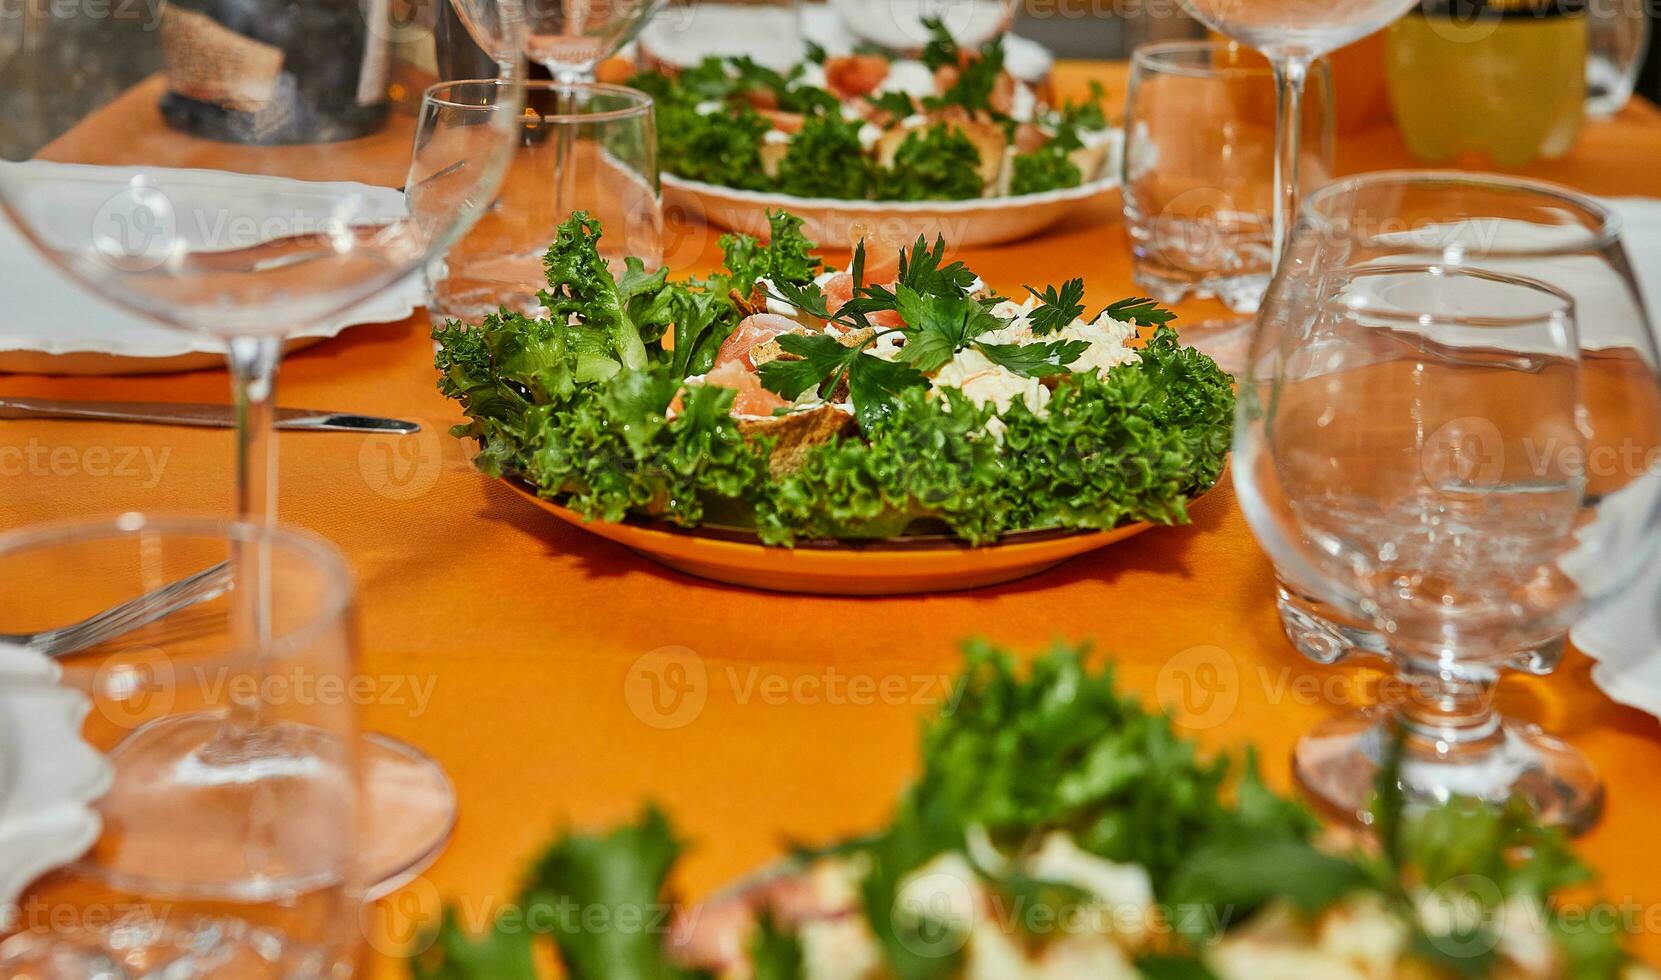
<point>842,137</point>
<point>899,398</point>
<point>1059,830</point>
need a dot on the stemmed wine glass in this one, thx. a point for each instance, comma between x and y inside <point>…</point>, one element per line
<point>245,207</point>
<point>1412,443</point>
<point>1488,221</point>
<point>571,37</point>
<point>1292,34</point>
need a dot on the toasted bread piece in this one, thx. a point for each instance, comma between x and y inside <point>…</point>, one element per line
<point>772,154</point>
<point>770,351</point>
<point>794,435</point>
<point>1089,160</point>
<point>749,305</point>
<point>989,141</point>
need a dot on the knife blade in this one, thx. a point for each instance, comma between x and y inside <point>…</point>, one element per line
<point>218,416</point>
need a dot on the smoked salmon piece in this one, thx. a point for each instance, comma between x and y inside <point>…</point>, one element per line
<point>752,398</point>
<point>757,328</point>
<point>840,289</point>
<point>854,75</point>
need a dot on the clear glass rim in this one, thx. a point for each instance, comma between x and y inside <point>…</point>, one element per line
<point>1606,234</point>
<point>1161,57</point>
<point>1565,307</point>
<point>314,549</point>
<point>638,103</point>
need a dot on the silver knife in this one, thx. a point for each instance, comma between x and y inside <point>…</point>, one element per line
<point>220,416</point>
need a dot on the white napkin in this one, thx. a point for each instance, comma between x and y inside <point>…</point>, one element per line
<point>48,775</point>
<point>47,311</point>
<point>1625,640</point>
<point>1625,637</point>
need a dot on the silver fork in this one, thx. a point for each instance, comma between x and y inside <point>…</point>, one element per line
<point>209,583</point>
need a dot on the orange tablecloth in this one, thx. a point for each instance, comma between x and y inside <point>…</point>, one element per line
<point>505,639</point>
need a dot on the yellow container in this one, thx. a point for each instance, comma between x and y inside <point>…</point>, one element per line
<point>1488,83</point>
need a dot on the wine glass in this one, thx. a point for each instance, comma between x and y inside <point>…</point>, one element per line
<point>231,829</point>
<point>609,168</point>
<point>250,188</point>
<point>1292,34</point>
<point>571,37</point>
<point>1489,221</point>
<point>1412,442</point>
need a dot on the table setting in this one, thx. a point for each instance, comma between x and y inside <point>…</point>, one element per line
<point>498,490</point>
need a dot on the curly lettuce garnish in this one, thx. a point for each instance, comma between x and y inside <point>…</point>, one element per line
<point>787,257</point>
<point>558,401</point>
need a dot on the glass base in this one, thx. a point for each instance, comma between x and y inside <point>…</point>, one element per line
<point>202,809</point>
<point>1338,761</point>
<point>411,807</point>
<point>273,813</point>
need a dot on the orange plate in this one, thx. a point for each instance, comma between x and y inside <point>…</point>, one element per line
<point>925,563</point>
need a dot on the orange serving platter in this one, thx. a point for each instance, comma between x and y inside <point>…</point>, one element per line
<point>893,566</point>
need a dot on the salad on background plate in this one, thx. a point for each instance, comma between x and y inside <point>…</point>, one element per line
<point>866,134</point>
<point>896,400</point>
<point>1058,830</point>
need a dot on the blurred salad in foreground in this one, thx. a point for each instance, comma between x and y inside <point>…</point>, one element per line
<point>900,395</point>
<point>1059,830</point>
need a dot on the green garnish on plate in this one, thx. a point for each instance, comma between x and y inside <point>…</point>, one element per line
<point>828,128</point>
<point>957,417</point>
<point>1046,793</point>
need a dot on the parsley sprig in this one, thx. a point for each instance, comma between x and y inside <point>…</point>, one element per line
<point>1140,310</point>
<point>1059,308</point>
<point>941,319</point>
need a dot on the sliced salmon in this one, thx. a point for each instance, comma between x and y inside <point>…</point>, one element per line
<point>751,397</point>
<point>839,289</point>
<point>789,122</point>
<point>757,328</point>
<point>854,75</point>
<point>882,257</point>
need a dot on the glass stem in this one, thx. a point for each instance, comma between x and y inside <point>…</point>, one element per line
<point>1446,715</point>
<point>254,385</point>
<point>1291,72</point>
<point>565,147</point>
<point>253,363</point>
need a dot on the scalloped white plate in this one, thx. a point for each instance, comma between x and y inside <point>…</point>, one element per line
<point>56,325</point>
<point>49,776</point>
<point>966,224</point>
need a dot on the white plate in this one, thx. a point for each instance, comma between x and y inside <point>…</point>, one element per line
<point>965,224</point>
<point>52,324</point>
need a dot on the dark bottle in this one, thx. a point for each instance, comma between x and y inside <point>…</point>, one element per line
<point>460,57</point>
<point>275,71</point>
